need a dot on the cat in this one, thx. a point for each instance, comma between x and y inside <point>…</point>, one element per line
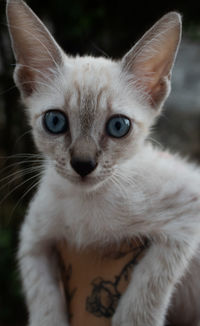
<point>103,182</point>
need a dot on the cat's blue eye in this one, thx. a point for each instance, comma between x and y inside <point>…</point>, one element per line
<point>118,126</point>
<point>55,122</point>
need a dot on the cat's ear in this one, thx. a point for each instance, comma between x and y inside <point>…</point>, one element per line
<point>37,54</point>
<point>149,63</point>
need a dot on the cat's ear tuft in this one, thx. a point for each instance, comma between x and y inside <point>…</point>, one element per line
<point>37,54</point>
<point>149,63</point>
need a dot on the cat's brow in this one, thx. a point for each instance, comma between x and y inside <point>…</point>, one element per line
<point>87,110</point>
<point>102,90</point>
<point>88,102</point>
<point>78,92</point>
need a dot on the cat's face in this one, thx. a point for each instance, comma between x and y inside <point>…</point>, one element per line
<point>90,115</point>
<point>89,122</point>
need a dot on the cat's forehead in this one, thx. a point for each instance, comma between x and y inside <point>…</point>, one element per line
<point>86,87</point>
<point>86,66</point>
<point>91,85</point>
<point>90,88</point>
<point>92,77</point>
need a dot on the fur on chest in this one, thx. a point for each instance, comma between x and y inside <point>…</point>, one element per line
<point>97,219</point>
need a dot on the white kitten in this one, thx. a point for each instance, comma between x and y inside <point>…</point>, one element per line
<point>103,182</point>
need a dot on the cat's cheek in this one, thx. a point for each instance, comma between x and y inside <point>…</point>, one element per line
<point>50,146</point>
<point>124,150</point>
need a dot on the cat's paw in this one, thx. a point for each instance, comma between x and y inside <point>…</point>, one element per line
<point>121,323</point>
<point>123,316</point>
<point>128,315</point>
<point>118,321</point>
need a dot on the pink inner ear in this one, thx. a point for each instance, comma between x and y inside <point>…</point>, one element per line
<point>154,77</point>
<point>152,71</point>
<point>151,60</point>
<point>158,91</point>
<point>25,79</point>
<point>37,53</point>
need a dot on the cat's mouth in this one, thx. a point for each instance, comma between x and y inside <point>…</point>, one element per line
<point>87,181</point>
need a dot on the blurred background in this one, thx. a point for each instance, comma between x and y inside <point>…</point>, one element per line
<point>100,27</point>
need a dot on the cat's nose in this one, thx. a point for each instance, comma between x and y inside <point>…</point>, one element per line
<point>83,168</point>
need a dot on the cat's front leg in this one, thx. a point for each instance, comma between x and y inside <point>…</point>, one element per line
<point>146,300</point>
<point>40,279</point>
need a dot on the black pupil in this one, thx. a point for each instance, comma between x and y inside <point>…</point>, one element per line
<point>55,121</point>
<point>118,125</point>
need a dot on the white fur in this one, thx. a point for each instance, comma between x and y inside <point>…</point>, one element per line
<point>136,190</point>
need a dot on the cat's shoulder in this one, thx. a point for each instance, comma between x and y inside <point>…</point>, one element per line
<point>155,161</point>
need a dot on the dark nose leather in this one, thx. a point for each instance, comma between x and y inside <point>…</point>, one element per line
<point>83,168</point>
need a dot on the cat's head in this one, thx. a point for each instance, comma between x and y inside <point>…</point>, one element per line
<point>90,115</point>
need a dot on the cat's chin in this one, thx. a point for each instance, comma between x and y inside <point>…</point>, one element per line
<point>88,183</point>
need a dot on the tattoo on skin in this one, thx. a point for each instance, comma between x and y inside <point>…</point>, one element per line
<point>105,294</point>
<point>66,274</point>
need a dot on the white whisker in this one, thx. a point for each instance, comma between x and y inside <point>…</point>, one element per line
<point>17,165</point>
<point>130,180</point>
<point>22,155</point>
<point>24,134</point>
<point>156,142</point>
<point>16,175</point>
<point>119,186</point>
<point>15,188</point>
<point>33,185</point>
<point>8,90</point>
